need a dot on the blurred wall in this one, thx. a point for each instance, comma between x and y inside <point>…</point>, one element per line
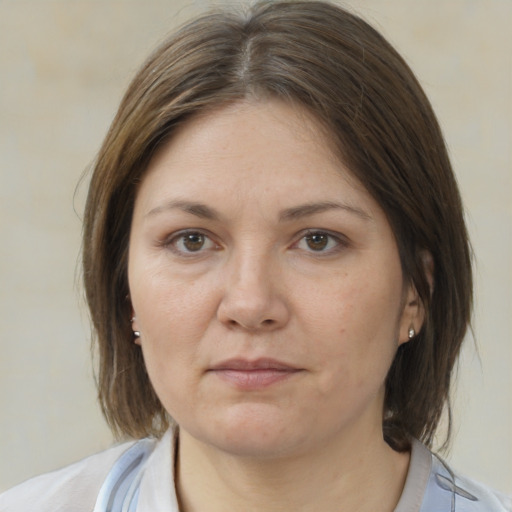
<point>63,67</point>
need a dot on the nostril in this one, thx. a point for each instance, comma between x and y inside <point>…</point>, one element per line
<point>269,322</point>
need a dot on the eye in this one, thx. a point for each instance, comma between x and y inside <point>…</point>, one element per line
<point>320,241</point>
<point>189,242</point>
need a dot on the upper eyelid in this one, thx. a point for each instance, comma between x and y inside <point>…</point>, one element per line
<point>341,240</point>
<point>170,240</point>
<point>338,236</point>
<point>296,238</point>
<point>187,231</point>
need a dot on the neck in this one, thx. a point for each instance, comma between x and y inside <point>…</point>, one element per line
<point>330,478</point>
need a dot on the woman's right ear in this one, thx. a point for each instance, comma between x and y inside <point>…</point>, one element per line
<point>135,329</point>
<point>428,268</point>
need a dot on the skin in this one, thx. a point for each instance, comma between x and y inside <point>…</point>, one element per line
<point>250,241</point>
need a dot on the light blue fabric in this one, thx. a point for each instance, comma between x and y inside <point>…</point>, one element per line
<point>431,483</point>
<point>448,492</point>
<point>120,491</point>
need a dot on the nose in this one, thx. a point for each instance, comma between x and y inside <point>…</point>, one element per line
<point>253,299</point>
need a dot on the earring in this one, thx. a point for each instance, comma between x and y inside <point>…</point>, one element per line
<point>411,333</point>
<point>136,334</point>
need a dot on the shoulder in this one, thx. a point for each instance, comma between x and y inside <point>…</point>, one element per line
<point>480,497</point>
<point>466,494</point>
<point>432,485</point>
<point>71,489</point>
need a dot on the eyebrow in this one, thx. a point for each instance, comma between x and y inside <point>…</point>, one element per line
<point>308,209</point>
<point>197,209</point>
<point>290,214</point>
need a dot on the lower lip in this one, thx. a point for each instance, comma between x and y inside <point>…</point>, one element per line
<point>254,379</point>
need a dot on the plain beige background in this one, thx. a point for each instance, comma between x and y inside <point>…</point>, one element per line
<point>63,68</point>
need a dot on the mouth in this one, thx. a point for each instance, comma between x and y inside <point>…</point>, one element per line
<point>253,375</point>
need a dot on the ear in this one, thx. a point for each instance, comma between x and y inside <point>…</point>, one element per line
<point>135,328</point>
<point>413,313</point>
<point>428,268</point>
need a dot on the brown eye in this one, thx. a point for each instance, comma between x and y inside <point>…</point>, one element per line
<point>317,241</point>
<point>322,243</point>
<point>190,244</point>
<point>193,242</point>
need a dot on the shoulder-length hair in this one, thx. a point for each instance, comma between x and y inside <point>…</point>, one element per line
<point>343,72</point>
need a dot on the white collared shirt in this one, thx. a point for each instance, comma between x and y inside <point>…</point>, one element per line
<point>138,477</point>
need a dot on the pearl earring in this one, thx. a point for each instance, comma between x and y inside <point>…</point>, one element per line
<point>136,334</point>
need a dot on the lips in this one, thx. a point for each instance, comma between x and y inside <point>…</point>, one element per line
<point>252,375</point>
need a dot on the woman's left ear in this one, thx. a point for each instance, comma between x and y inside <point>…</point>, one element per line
<point>413,314</point>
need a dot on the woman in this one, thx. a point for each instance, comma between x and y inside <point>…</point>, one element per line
<point>279,277</point>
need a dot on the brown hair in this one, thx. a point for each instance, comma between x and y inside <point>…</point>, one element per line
<point>349,77</point>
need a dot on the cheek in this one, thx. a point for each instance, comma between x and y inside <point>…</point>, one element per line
<point>356,329</point>
<point>358,307</point>
<point>172,317</point>
<point>167,304</point>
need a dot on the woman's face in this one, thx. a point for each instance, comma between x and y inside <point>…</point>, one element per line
<point>266,284</point>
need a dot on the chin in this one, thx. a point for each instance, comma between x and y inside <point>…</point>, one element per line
<point>255,430</point>
<point>255,445</point>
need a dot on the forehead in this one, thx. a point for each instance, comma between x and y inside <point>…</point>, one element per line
<point>247,143</point>
<point>253,120</point>
<point>253,166</point>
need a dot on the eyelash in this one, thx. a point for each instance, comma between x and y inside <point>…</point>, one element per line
<point>175,238</point>
<point>339,242</point>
